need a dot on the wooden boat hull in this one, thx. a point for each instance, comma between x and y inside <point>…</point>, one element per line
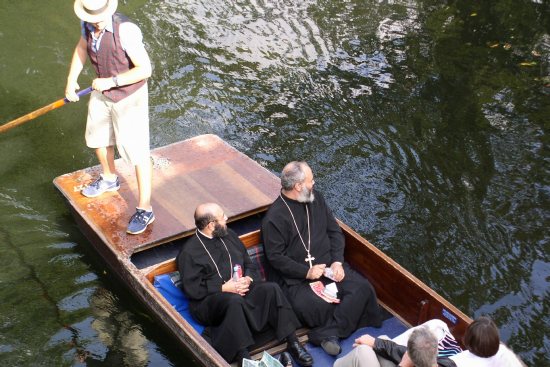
<point>399,291</point>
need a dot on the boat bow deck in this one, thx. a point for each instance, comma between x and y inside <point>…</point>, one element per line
<point>185,174</point>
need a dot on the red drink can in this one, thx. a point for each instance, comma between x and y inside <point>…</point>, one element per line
<point>237,272</point>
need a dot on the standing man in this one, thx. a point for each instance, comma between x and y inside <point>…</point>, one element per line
<point>302,242</point>
<point>118,111</point>
<point>234,307</point>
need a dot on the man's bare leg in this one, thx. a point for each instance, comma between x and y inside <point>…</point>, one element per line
<point>144,175</point>
<point>106,157</point>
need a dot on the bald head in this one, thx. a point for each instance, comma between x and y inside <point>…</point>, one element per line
<point>207,213</point>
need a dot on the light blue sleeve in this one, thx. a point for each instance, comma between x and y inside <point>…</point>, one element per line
<point>83,29</point>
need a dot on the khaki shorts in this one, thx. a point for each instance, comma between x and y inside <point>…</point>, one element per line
<point>124,123</point>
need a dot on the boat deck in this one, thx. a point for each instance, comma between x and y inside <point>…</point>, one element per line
<point>185,174</point>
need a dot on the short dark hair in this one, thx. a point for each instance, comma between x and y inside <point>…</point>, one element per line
<point>292,174</point>
<point>422,347</point>
<point>481,337</point>
<point>201,221</point>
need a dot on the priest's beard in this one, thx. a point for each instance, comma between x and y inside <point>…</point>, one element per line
<point>219,230</point>
<point>306,196</point>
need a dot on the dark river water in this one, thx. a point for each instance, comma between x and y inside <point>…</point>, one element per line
<point>426,124</point>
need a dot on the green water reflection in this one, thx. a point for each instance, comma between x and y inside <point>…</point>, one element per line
<point>426,123</point>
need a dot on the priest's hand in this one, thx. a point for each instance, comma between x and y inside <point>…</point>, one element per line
<point>243,285</point>
<point>316,271</point>
<point>239,287</point>
<point>364,340</point>
<point>338,271</point>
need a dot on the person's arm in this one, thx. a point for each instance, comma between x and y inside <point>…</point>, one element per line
<point>240,256</point>
<point>77,64</point>
<point>365,339</point>
<point>195,283</point>
<point>250,270</point>
<point>336,238</point>
<point>389,350</point>
<point>382,347</point>
<point>274,246</point>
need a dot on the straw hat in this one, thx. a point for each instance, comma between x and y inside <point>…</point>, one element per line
<point>93,11</point>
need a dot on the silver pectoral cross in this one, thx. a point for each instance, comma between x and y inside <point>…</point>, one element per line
<point>309,259</point>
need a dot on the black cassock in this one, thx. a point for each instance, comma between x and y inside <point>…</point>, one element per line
<point>286,255</point>
<point>232,320</point>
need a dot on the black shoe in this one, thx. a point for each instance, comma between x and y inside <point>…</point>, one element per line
<point>242,354</point>
<point>285,359</point>
<point>331,346</point>
<point>300,354</point>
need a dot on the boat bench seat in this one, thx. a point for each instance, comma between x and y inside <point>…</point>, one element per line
<point>167,282</point>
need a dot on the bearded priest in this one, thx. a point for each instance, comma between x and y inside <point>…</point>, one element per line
<point>304,244</point>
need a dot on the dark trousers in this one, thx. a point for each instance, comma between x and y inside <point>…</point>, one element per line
<point>233,320</point>
<point>358,307</point>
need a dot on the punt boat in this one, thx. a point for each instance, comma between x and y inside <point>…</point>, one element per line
<point>207,169</point>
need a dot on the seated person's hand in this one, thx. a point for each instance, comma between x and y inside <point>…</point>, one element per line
<point>316,271</point>
<point>364,340</point>
<point>337,271</point>
<point>239,287</point>
<point>243,285</point>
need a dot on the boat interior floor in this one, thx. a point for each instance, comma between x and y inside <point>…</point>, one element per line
<point>391,327</point>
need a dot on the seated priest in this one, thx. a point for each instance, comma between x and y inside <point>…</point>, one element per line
<point>235,307</point>
<point>304,246</point>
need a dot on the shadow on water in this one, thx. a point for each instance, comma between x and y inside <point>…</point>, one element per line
<point>44,289</point>
<point>72,315</point>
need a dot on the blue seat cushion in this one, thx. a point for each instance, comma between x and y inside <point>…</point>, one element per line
<point>166,284</point>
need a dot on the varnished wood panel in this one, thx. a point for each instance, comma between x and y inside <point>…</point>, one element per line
<point>185,174</point>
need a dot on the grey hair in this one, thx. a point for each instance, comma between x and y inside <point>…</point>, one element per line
<point>422,347</point>
<point>292,174</point>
